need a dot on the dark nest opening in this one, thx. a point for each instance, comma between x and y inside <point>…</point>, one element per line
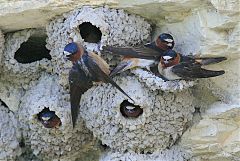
<point>90,33</point>
<point>33,50</point>
<point>3,103</point>
<point>130,110</point>
<point>48,118</point>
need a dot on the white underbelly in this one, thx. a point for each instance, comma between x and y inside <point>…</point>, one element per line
<point>145,62</point>
<point>167,73</point>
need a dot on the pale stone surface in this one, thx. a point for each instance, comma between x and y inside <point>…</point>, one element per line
<point>10,94</point>
<point>2,40</point>
<point>175,153</point>
<point>216,136</point>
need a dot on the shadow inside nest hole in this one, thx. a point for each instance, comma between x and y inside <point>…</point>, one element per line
<point>48,118</point>
<point>33,49</point>
<point>90,33</point>
<point>2,103</point>
<point>129,110</point>
<point>102,146</point>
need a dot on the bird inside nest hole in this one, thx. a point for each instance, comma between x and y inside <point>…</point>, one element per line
<point>130,110</point>
<point>48,118</point>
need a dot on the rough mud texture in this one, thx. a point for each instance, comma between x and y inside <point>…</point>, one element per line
<point>175,153</point>
<point>2,40</point>
<point>161,124</point>
<point>154,82</point>
<point>10,94</point>
<point>10,134</point>
<point>116,26</point>
<point>56,143</point>
<point>12,68</point>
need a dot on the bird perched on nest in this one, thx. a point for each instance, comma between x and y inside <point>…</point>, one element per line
<point>87,68</point>
<point>173,66</point>
<point>141,56</point>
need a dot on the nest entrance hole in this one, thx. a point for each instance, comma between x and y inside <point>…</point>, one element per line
<point>33,50</point>
<point>48,118</point>
<point>130,110</point>
<point>90,33</point>
<point>3,103</point>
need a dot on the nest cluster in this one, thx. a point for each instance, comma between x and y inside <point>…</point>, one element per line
<point>162,122</point>
<point>43,84</point>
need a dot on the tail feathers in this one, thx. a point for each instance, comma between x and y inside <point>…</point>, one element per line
<point>119,88</point>
<point>120,68</point>
<point>209,60</point>
<point>207,73</point>
<point>74,113</point>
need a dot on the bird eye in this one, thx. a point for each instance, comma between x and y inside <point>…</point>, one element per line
<point>130,110</point>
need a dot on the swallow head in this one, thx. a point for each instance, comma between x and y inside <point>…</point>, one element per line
<point>46,115</point>
<point>49,119</point>
<point>130,110</point>
<point>165,41</point>
<point>73,51</point>
<point>170,58</point>
<point>45,118</point>
<point>167,59</point>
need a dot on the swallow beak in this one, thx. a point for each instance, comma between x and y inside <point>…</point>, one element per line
<point>45,122</point>
<point>67,55</point>
<point>165,62</point>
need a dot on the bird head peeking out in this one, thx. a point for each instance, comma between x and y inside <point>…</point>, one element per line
<point>170,58</point>
<point>73,51</point>
<point>165,41</point>
<point>48,118</point>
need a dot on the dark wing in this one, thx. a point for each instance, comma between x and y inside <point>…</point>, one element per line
<point>97,72</point>
<point>79,83</point>
<point>119,68</point>
<point>194,70</point>
<point>142,52</point>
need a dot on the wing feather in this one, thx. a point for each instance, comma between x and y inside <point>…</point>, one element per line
<point>194,70</point>
<point>136,52</point>
<point>95,70</point>
<point>79,83</point>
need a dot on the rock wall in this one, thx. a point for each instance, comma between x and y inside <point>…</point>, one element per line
<point>179,120</point>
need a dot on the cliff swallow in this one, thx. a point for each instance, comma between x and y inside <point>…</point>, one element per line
<point>141,56</point>
<point>174,66</point>
<point>87,68</point>
<point>48,118</point>
<point>130,110</point>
